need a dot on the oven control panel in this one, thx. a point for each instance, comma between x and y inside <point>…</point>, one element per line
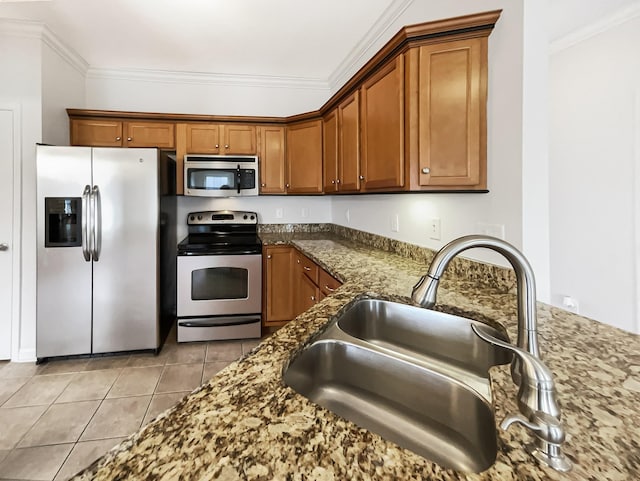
<point>222,217</point>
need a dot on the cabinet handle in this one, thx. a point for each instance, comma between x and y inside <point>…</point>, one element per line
<point>129,139</point>
<point>361,177</point>
<point>426,170</point>
<point>286,185</point>
<point>326,286</point>
<point>306,268</point>
<point>269,256</point>
<point>4,247</point>
<point>118,139</point>
<point>226,146</point>
<point>313,298</point>
<point>298,261</point>
<point>217,146</point>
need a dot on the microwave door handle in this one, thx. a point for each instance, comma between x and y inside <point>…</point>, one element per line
<point>238,177</point>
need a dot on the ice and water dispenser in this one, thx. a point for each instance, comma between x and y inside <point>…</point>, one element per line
<point>63,221</point>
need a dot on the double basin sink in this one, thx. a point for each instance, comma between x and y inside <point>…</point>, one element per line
<point>414,376</point>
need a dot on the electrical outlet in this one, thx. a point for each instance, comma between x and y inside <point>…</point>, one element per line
<point>347,215</point>
<point>571,304</point>
<point>279,213</point>
<point>434,228</point>
<point>395,223</point>
<point>304,212</point>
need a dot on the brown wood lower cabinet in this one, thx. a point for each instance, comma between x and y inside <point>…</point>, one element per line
<point>292,283</point>
<point>277,285</point>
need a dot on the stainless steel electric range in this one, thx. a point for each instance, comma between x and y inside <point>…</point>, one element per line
<point>220,277</point>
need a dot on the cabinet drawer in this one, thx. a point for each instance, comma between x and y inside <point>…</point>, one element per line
<point>327,283</point>
<point>308,267</point>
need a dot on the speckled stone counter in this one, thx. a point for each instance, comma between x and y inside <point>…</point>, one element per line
<point>246,424</point>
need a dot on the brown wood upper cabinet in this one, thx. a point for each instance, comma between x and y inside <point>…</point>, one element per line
<point>382,117</point>
<point>304,158</point>
<point>342,147</point>
<point>272,159</point>
<point>452,113</point>
<point>116,133</point>
<point>221,139</point>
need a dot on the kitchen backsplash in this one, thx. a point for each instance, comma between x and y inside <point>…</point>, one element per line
<point>461,268</point>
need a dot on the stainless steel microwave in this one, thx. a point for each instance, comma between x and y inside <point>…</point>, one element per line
<point>220,175</point>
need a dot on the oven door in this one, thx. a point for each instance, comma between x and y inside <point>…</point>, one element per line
<point>219,285</point>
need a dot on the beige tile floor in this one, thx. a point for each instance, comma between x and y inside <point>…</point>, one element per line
<point>58,417</point>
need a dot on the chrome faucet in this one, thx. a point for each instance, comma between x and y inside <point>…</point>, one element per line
<point>424,292</point>
<point>537,394</point>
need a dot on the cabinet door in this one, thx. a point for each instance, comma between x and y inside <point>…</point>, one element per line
<point>278,287</point>
<point>239,139</point>
<point>330,152</point>
<point>349,122</point>
<point>304,158</point>
<point>203,139</point>
<point>382,119</point>
<point>96,133</point>
<point>308,294</point>
<point>272,159</point>
<point>452,96</point>
<point>149,134</point>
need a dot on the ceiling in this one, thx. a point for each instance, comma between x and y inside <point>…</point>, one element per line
<point>292,39</point>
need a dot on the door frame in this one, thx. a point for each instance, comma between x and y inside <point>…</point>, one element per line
<point>16,216</point>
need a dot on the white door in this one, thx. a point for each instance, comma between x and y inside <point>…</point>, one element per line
<point>6,231</point>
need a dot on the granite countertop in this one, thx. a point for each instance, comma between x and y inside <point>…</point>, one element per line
<point>246,424</point>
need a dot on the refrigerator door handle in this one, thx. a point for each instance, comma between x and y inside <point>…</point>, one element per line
<point>96,236</point>
<point>85,223</point>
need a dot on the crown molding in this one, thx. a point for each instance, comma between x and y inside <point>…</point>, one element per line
<point>38,30</point>
<point>204,78</point>
<point>607,22</point>
<point>356,57</point>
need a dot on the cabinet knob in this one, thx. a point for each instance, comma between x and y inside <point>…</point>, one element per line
<point>286,185</point>
<point>226,146</point>
<point>217,146</point>
<point>129,139</point>
<point>426,170</point>
<point>118,139</point>
<point>269,256</point>
<point>337,181</point>
<point>4,247</point>
<point>333,181</point>
<point>263,185</point>
<point>313,298</point>
<point>361,177</point>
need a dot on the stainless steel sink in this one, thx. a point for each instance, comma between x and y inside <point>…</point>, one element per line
<point>416,377</point>
<point>417,332</point>
<point>420,409</point>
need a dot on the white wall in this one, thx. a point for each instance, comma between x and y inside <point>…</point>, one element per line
<point>594,151</point>
<point>201,94</point>
<point>20,83</point>
<point>301,210</point>
<point>63,86</point>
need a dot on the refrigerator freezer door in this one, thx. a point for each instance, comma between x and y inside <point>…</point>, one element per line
<point>63,307</point>
<point>125,302</point>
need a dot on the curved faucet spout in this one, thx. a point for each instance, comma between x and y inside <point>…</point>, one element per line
<point>424,292</point>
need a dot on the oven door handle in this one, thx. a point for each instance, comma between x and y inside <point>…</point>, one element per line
<point>239,177</point>
<point>218,322</point>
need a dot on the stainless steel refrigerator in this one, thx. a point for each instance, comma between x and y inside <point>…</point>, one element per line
<point>106,249</point>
